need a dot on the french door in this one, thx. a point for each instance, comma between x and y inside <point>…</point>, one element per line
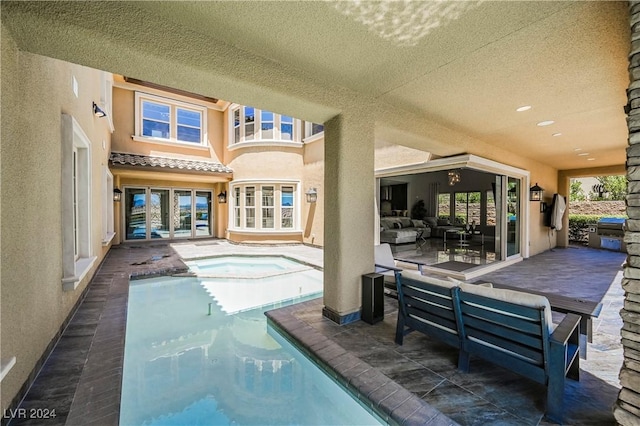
<point>161,213</point>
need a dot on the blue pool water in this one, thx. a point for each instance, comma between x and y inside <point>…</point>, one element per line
<point>242,265</point>
<point>183,366</point>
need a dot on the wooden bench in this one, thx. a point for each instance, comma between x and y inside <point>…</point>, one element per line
<point>509,328</point>
<point>425,304</point>
<point>519,336</point>
<point>586,309</point>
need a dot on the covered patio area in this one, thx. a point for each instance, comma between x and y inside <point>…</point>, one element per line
<point>488,394</point>
<point>82,378</point>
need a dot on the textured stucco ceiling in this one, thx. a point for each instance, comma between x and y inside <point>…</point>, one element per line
<point>463,67</point>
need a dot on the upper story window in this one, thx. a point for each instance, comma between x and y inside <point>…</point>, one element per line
<point>165,120</point>
<point>251,125</point>
<point>313,131</point>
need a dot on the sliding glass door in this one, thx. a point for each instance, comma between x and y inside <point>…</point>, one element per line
<point>167,213</point>
<point>514,216</point>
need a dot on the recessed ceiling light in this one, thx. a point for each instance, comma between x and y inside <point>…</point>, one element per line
<point>545,123</point>
<point>583,154</point>
<point>577,149</point>
<point>557,134</point>
<point>523,108</point>
<point>590,159</point>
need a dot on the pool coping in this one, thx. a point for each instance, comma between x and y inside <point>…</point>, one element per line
<point>386,398</point>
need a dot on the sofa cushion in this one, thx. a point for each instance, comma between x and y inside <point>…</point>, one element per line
<point>406,222</point>
<point>515,297</point>
<point>418,223</point>
<point>458,282</point>
<point>443,222</point>
<point>415,275</point>
<point>386,223</point>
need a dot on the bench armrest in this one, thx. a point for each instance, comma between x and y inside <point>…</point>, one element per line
<point>385,268</point>
<point>565,329</point>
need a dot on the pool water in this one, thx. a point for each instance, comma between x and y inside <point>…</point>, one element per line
<point>190,362</point>
<point>244,266</point>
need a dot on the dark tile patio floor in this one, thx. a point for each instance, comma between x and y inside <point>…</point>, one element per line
<point>418,381</point>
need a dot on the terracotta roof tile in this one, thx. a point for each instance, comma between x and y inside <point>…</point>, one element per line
<point>118,158</point>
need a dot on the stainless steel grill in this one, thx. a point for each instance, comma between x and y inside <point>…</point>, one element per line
<point>608,233</point>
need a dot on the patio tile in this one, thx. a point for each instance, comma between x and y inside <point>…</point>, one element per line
<point>395,376</point>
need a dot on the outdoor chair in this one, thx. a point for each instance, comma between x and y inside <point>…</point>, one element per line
<point>388,266</point>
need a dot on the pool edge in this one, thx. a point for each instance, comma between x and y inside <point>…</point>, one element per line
<point>390,401</point>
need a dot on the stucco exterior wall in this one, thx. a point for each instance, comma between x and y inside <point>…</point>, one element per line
<point>313,177</point>
<point>37,90</point>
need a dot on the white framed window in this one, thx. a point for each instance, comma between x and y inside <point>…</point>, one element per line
<point>265,207</point>
<point>268,207</point>
<point>107,206</point>
<point>287,200</point>
<point>249,126</point>
<point>250,207</point>
<point>77,256</point>
<point>166,120</point>
<point>106,97</point>
<point>286,127</point>
<point>236,207</point>
<point>266,124</point>
<point>313,131</point>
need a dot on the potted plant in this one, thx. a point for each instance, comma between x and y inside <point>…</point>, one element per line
<point>418,211</point>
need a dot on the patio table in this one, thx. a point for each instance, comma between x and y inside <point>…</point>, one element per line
<point>566,304</point>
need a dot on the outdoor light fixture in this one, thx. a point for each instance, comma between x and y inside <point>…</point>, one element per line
<point>454,177</point>
<point>312,195</point>
<point>535,193</point>
<point>222,197</point>
<point>98,112</point>
<point>117,194</point>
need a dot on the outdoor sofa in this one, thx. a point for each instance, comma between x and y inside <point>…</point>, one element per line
<point>512,329</point>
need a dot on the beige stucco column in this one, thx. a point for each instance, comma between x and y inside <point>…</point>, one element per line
<point>349,216</point>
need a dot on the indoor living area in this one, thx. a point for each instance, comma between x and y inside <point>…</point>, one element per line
<point>462,216</point>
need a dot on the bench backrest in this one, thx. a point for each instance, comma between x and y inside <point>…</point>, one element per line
<point>426,305</point>
<point>508,328</point>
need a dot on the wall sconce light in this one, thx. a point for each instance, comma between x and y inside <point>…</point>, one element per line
<point>98,112</point>
<point>117,194</point>
<point>312,195</point>
<point>222,197</point>
<point>454,177</point>
<point>535,193</point>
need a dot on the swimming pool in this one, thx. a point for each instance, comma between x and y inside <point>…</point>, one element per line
<point>188,361</point>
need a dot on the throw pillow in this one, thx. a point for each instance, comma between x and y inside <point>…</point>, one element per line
<point>418,223</point>
<point>432,222</point>
<point>443,222</point>
<point>397,225</point>
<point>406,222</point>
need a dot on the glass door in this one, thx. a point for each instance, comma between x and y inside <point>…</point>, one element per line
<point>159,211</point>
<point>135,213</point>
<point>203,214</point>
<point>514,216</point>
<point>182,218</point>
